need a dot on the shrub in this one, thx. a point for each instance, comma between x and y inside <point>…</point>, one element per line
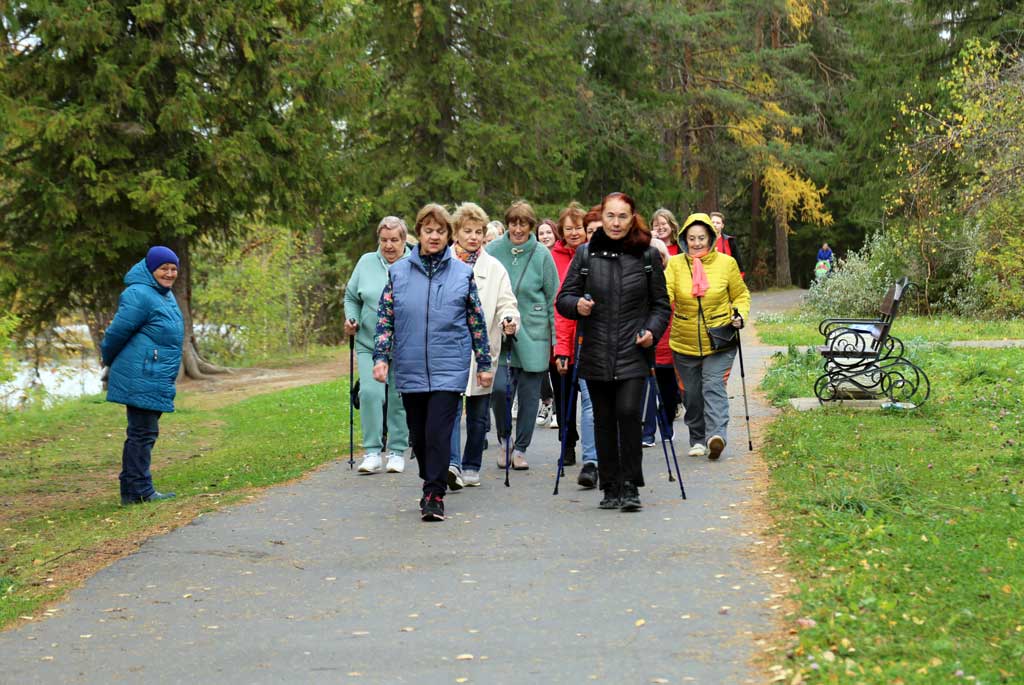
<point>856,286</point>
<point>261,296</point>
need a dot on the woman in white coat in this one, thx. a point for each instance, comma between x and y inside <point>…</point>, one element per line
<point>502,315</point>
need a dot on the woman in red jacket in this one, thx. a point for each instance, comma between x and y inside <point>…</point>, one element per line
<point>664,227</point>
<point>571,234</point>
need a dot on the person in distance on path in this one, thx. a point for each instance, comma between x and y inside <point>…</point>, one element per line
<point>142,350</point>
<point>628,310</point>
<point>705,287</point>
<point>502,317</point>
<point>362,295</point>
<point>429,321</point>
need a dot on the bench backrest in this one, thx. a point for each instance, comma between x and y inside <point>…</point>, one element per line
<point>890,307</point>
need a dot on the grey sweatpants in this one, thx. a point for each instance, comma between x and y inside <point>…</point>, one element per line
<point>705,399</point>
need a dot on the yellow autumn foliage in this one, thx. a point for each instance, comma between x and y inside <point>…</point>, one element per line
<point>788,193</point>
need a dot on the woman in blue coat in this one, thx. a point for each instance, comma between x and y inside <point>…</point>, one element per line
<point>142,350</point>
<point>429,320</point>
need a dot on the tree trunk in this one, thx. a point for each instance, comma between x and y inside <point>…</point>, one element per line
<point>192,363</point>
<point>783,279</point>
<point>755,214</point>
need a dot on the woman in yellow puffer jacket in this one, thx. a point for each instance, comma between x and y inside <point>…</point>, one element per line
<point>705,288</point>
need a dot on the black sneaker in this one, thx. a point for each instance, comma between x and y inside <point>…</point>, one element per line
<point>570,457</point>
<point>611,498</point>
<point>432,508</point>
<point>630,500</point>
<point>588,475</point>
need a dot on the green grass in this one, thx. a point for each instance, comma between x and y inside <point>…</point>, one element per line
<point>801,328</point>
<point>905,530</point>
<point>58,477</point>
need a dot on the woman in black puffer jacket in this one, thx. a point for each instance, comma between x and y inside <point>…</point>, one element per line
<point>627,313</point>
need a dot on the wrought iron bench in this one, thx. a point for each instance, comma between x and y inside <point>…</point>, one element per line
<point>863,360</point>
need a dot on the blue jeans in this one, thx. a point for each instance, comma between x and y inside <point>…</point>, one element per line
<point>587,425</point>
<point>476,431</point>
<point>142,432</point>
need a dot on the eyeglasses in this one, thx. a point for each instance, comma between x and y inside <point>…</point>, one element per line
<point>518,221</point>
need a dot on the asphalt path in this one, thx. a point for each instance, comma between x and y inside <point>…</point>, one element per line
<point>335,579</point>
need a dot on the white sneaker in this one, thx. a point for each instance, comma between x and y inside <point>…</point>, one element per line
<point>543,414</point>
<point>455,481</point>
<point>471,478</point>
<point>371,464</point>
<point>696,451</point>
<point>554,421</point>
<point>396,462</point>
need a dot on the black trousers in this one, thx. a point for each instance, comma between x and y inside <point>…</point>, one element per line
<point>572,435</point>
<point>618,421</point>
<point>431,417</point>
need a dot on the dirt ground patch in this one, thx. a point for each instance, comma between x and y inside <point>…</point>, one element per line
<point>223,390</point>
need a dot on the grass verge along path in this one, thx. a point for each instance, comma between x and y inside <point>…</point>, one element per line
<point>905,528</point>
<point>60,513</point>
<point>801,328</point>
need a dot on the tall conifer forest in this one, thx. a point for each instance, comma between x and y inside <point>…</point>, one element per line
<point>263,141</point>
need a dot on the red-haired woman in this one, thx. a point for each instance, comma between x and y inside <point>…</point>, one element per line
<point>626,312</point>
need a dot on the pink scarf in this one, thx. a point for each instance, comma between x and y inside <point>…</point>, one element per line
<point>700,277</point>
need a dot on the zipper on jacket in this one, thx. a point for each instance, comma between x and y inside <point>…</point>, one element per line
<point>615,319</point>
<point>426,330</point>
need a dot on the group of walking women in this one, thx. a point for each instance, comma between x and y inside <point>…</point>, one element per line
<point>447,326</point>
<point>463,321</point>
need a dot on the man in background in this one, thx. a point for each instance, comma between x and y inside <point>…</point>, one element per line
<point>726,244</point>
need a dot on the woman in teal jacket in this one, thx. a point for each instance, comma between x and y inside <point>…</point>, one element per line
<point>362,295</point>
<point>142,350</point>
<point>534,278</point>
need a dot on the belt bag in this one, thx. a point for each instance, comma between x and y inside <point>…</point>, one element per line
<point>722,337</point>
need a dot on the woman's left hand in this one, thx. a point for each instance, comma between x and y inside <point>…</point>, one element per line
<point>644,339</point>
<point>737,321</point>
<point>508,327</point>
<point>484,378</point>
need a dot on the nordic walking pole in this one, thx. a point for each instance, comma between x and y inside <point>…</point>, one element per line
<point>652,379</point>
<point>570,408</point>
<point>351,409</point>
<point>509,339</point>
<point>384,430</point>
<point>743,380</point>
<point>664,425</point>
<point>563,399</point>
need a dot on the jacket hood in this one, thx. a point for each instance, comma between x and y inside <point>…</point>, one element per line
<point>140,275</point>
<point>697,218</point>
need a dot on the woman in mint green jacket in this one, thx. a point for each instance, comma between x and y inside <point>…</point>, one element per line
<point>531,269</point>
<point>362,295</point>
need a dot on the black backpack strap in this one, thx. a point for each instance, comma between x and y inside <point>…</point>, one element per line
<point>585,264</point>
